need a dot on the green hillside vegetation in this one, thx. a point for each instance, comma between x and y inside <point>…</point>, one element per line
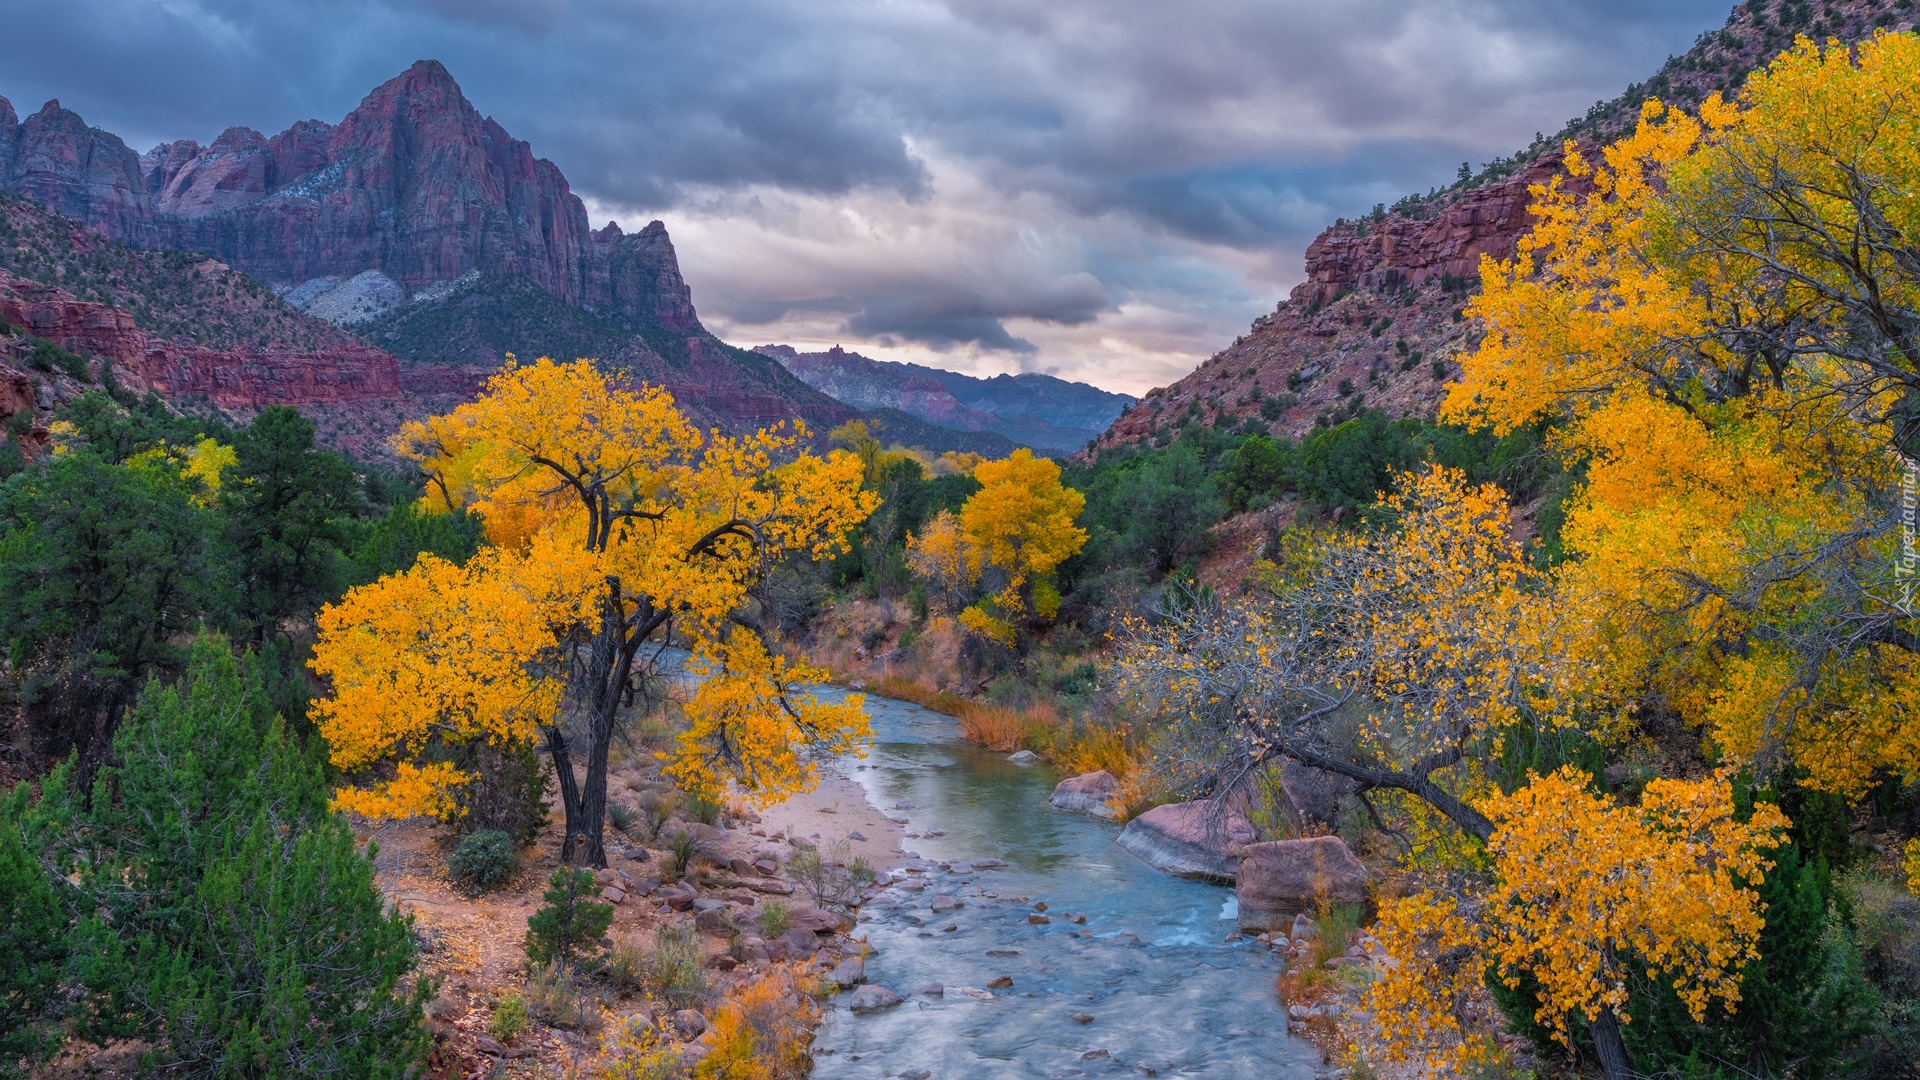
<point>185,297</point>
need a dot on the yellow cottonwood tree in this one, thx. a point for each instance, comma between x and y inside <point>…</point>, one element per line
<point>1020,525</point>
<point>942,556</point>
<point>1724,331</point>
<point>1585,891</point>
<point>614,523</point>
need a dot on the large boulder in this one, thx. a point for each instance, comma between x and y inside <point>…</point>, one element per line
<point>1191,839</point>
<point>1281,879</point>
<point>1088,793</point>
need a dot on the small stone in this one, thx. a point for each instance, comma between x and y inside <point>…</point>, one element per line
<point>949,928</point>
<point>1023,757</point>
<point>966,993</point>
<point>828,810</point>
<point>487,1044</point>
<point>689,1023</point>
<point>942,904</point>
<point>765,866</point>
<point>1078,919</point>
<point>679,900</point>
<point>800,942</point>
<point>932,989</point>
<point>1038,920</point>
<point>871,998</point>
<point>1095,1055</point>
<point>604,877</point>
<point>723,962</point>
<point>1039,905</point>
<point>1003,952</point>
<point>856,835</point>
<point>613,895</point>
<point>1081,1018</point>
<point>849,973</point>
<point>1001,983</point>
<point>707,903</point>
<point>988,864</point>
<point>635,854</point>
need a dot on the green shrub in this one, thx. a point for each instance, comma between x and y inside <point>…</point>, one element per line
<point>772,918</point>
<point>704,810</point>
<point>622,817</point>
<point>509,1017</point>
<point>570,923</point>
<point>47,356</point>
<point>482,859</point>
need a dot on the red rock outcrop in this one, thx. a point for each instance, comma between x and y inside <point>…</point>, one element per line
<point>275,375</point>
<point>414,183</point>
<point>54,158</point>
<point>1406,253</point>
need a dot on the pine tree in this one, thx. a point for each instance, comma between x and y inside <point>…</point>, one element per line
<point>569,922</point>
<point>33,929</point>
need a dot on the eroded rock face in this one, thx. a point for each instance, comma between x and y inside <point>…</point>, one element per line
<point>1190,839</point>
<point>275,375</point>
<point>414,183</point>
<point>1281,879</point>
<point>1088,793</point>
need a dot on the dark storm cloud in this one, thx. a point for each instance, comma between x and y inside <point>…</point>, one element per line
<point>982,150</point>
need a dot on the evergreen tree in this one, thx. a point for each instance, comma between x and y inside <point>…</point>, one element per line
<point>569,922</point>
<point>33,931</point>
<point>290,509</point>
<point>229,919</point>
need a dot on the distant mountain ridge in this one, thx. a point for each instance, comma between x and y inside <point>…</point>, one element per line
<point>1040,411</point>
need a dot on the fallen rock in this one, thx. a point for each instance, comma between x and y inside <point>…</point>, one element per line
<point>765,866</point>
<point>813,918</point>
<point>1190,839</point>
<point>1088,793</point>
<point>849,972</point>
<point>614,894</point>
<point>871,998</point>
<point>800,942</point>
<point>679,899</point>
<point>689,1023</point>
<point>1281,879</point>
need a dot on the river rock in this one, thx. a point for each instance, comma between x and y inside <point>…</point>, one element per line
<point>871,998</point>
<point>800,942</point>
<point>1023,757</point>
<point>1087,793</point>
<point>943,904</point>
<point>813,918</point>
<point>1190,839</point>
<point>849,972</point>
<point>1281,879</point>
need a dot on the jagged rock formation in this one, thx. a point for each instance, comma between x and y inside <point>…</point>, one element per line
<point>1034,410</point>
<point>1377,321</point>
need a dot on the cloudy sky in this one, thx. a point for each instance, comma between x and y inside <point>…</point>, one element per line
<point>1104,191</point>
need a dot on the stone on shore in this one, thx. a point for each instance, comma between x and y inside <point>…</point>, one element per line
<point>1281,879</point>
<point>1088,793</point>
<point>1190,839</point>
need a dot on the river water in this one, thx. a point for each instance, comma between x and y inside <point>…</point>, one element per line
<point>1166,993</point>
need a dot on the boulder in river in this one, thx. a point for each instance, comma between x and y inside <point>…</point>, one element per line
<point>1023,757</point>
<point>1088,793</point>
<point>1284,878</point>
<point>871,998</point>
<point>1190,839</point>
<point>850,972</point>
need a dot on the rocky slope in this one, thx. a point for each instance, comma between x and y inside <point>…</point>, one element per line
<point>1033,410</point>
<point>1377,321</point>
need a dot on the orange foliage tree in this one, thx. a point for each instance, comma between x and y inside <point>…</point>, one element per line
<point>613,523</point>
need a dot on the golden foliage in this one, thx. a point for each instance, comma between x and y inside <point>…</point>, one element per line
<point>1697,331</point>
<point>1584,890</point>
<point>610,515</point>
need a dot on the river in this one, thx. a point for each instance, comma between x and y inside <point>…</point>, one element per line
<point>1149,984</point>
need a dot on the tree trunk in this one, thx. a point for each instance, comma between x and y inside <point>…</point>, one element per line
<point>1608,1045</point>
<point>569,789</point>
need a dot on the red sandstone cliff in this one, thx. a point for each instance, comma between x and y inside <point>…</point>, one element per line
<point>275,375</point>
